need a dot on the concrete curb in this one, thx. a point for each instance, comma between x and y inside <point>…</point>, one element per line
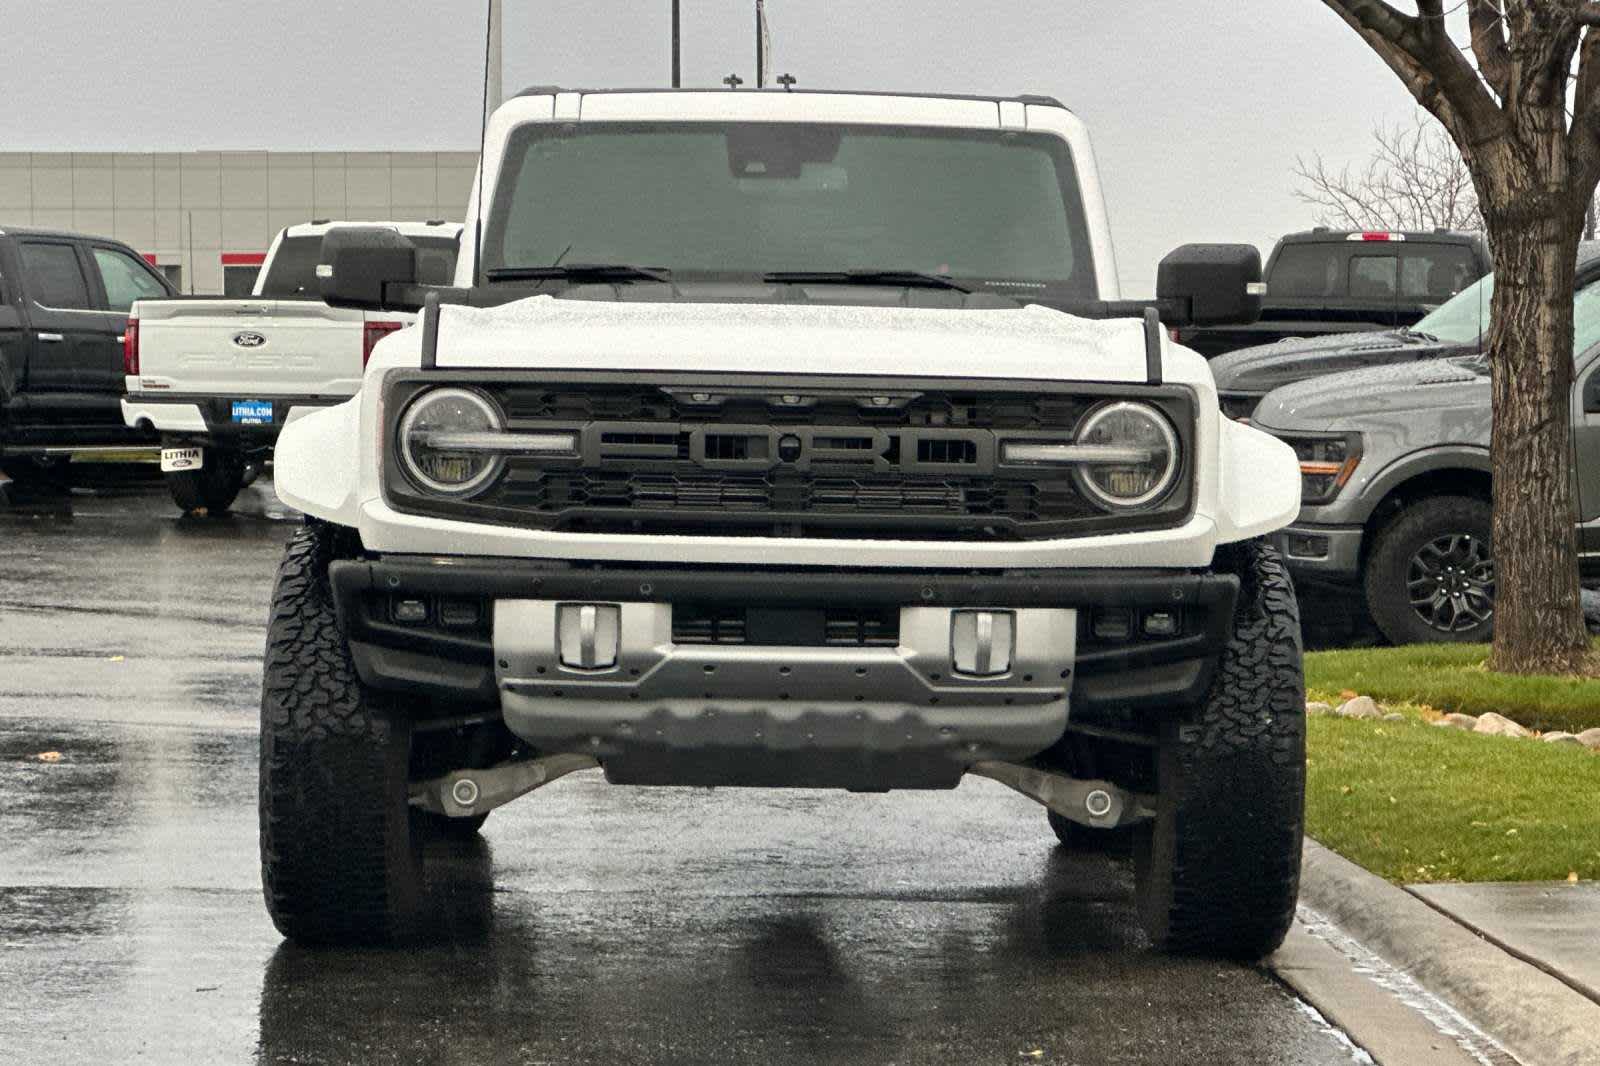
<point>1537,1017</point>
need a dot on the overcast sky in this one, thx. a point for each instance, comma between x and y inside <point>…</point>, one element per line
<point>1198,107</point>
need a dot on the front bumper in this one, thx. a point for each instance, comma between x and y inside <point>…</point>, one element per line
<point>803,714</point>
<point>1322,553</point>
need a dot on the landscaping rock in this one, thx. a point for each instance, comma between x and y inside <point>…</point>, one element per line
<point>1559,737</point>
<point>1498,725</point>
<point>1360,707</point>
<point>1318,709</point>
<point>1458,721</point>
<point>1394,716</point>
<point>1590,738</point>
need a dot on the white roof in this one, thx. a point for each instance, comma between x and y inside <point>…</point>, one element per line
<point>405,229</point>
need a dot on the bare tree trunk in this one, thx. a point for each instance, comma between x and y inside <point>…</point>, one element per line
<point>1538,623</point>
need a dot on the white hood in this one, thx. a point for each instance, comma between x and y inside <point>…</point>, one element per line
<point>545,332</point>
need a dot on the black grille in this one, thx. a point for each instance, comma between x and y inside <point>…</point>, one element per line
<point>916,460</point>
<point>768,503</point>
<point>797,627</point>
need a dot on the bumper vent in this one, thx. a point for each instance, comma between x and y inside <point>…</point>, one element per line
<point>794,627</point>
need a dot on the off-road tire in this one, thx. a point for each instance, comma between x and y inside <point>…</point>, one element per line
<point>1389,562</point>
<point>1218,870</point>
<point>340,862</point>
<point>213,487</point>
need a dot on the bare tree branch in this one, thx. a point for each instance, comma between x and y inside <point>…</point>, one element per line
<point>1487,24</point>
<point>1428,63</point>
<point>1414,180</point>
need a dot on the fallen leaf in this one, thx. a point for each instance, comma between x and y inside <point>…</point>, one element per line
<point>1036,1053</point>
<point>49,756</point>
<point>1572,878</point>
<point>1348,694</point>
<point>117,659</point>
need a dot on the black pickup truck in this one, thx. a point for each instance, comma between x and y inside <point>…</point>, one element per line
<point>1350,281</point>
<point>64,300</point>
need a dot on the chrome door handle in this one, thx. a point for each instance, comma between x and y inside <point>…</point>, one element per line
<point>51,338</point>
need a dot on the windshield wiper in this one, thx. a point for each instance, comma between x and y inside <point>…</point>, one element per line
<point>910,279</point>
<point>580,272</point>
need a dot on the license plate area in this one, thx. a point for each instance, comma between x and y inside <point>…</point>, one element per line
<point>252,412</point>
<point>180,460</point>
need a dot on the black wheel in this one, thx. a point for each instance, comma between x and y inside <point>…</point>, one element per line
<point>340,862</point>
<point>1218,870</point>
<point>213,487</point>
<point>1079,837</point>
<point>1430,575</point>
<point>453,828</point>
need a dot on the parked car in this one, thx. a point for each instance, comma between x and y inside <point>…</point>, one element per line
<point>1395,480</point>
<point>1351,281</point>
<point>709,485</point>
<point>217,378</point>
<point>64,300</point>
<point>1458,328</point>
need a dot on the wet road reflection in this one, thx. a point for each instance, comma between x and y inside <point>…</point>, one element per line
<point>590,925</point>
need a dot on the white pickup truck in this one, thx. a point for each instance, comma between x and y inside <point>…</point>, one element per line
<point>219,377</point>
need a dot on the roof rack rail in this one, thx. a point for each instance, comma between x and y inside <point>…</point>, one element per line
<point>1041,99</point>
<point>542,90</point>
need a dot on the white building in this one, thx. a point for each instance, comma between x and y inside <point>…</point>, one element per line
<point>206,218</point>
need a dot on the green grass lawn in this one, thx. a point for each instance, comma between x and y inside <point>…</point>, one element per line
<point>1416,802</point>
<point>1453,677</point>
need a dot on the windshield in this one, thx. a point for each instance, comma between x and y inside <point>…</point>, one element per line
<point>1464,317</point>
<point>293,272</point>
<point>743,200</point>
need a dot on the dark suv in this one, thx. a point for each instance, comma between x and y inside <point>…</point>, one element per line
<point>64,300</point>
<point>1349,281</point>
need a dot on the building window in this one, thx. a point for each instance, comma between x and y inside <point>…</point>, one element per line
<point>239,280</point>
<point>239,272</point>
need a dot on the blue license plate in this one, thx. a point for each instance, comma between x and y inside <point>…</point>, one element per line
<point>252,412</point>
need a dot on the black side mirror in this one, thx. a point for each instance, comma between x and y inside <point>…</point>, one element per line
<point>360,263</point>
<point>1211,284</point>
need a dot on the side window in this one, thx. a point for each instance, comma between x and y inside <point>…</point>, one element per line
<point>54,275</point>
<point>1373,277</point>
<point>1307,270</point>
<point>126,280</point>
<point>1586,319</point>
<point>1435,274</point>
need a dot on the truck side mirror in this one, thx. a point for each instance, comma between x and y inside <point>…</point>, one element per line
<point>359,264</point>
<point>1212,284</point>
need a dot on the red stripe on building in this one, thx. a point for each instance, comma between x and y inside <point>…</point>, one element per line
<point>243,259</point>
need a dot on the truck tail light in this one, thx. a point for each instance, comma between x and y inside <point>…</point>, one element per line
<point>1376,235</point>
<point>130,348</point>
<point>372,333</point>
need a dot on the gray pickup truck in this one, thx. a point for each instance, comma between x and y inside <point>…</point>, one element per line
<point>1394,464</point>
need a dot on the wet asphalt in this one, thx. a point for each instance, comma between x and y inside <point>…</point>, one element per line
<point>590,924</point>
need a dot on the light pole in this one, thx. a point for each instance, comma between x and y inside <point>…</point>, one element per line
<point>677,46</point>
<point>761,44</point>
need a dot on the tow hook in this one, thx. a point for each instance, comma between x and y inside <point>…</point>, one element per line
<point>466,793</point>
<point>1097,804</point>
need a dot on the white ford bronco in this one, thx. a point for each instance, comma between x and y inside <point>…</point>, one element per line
<point>786,439</point>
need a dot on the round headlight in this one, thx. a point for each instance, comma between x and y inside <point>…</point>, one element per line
<point>1140,428</point>
<point>426,446</point>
